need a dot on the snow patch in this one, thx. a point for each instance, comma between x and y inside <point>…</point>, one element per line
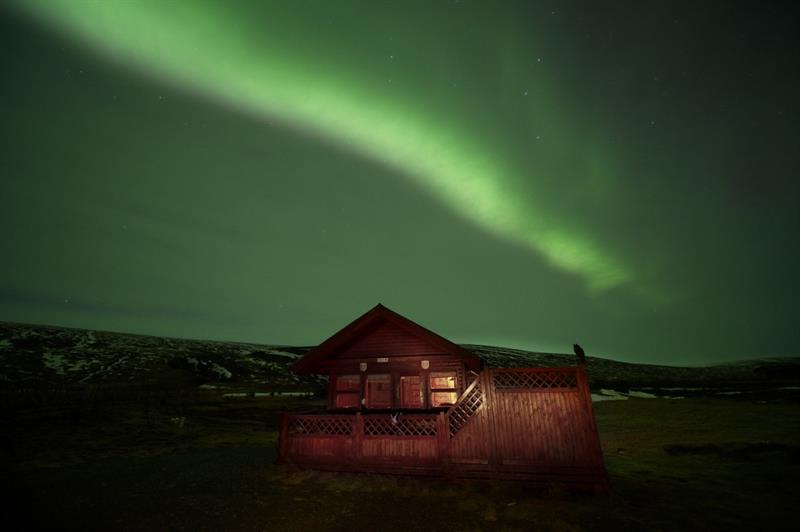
<point>220,371</point>
<point>55,362</point>
<point>269,394</point>
<point>641,395</point>
<point>596,397</point>
<point>86,340</point>
<point>613,395</point>
<point>213,367</point>
<point>282,353</point>
<point>62,366</point>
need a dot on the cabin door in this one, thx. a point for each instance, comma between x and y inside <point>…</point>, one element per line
<point>379,391</point>
<point>411,391</point>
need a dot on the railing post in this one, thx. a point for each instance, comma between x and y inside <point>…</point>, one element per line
<point>443,442</point>
<point>358,438</point>
<point>283,439</point>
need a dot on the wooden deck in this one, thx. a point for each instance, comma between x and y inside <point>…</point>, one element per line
<point>533,425</point>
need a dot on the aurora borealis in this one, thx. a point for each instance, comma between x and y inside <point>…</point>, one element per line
<point>525,174</point>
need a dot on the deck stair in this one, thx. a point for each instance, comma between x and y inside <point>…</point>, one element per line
<point>470,402</point>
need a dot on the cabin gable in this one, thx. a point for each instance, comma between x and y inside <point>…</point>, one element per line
<point>388,339</point>
<point>380,334</point>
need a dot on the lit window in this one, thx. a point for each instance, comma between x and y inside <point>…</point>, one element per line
<point>444,388</point>
<point>348,391</point>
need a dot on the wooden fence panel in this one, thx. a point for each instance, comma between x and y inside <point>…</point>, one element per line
<point>412,450</point>
<point>318,449</point>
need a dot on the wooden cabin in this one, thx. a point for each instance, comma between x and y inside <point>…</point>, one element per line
<point>404,400</point>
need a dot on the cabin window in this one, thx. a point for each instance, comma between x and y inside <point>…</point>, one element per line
<point>379,391</point>
<point>348,391</point>
<point>444,388</point>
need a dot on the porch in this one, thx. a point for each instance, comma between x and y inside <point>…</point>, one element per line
<point>528,424</point>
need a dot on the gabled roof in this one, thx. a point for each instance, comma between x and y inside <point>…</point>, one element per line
<point>366,323</point>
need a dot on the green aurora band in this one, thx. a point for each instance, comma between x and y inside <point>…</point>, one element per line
<point>220,53</point>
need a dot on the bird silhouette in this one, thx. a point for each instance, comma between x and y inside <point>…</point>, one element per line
<point>579,353</point>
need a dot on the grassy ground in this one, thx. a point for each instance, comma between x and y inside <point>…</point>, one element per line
<point>207,464</point>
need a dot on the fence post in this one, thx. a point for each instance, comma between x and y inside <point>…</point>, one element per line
<point>283,439</point>
<point>358,438</point>
<point>443,442</point>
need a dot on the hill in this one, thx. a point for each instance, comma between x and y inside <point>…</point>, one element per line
<point>40,355</point>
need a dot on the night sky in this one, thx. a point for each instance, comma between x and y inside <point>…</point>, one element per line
<point>525,174</point>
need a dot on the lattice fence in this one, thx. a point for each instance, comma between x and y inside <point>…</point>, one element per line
<point>403,425</point>
<point>321,425</point>
<point>509,380</point>
<point>462,411</point>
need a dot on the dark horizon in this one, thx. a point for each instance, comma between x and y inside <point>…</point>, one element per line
<point>566,352</point>
<point>526,175</point>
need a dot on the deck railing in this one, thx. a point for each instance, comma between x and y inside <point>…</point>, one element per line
<point>345,440</point>
<point>366,425</point>
<point>470,402</point>
<point>532,379</point>
<point>403,425</point>
<point>320,425</point>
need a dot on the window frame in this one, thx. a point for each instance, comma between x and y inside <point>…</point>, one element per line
<point>349,391</point>
<point>434,389</point>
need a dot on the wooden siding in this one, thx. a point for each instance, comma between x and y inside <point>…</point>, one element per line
<point>414,449</point>
<point>387,340</point>
<point>319,448</point>
<point>534,425</point>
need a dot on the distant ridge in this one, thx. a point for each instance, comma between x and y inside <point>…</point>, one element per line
<point>47,355</point>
